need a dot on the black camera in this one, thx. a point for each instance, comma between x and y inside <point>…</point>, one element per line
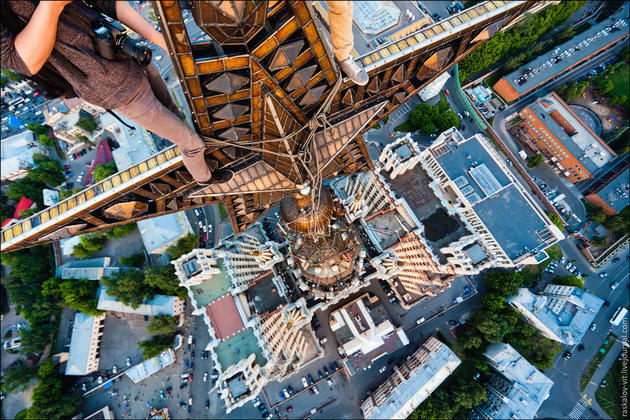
<point>110,38</point>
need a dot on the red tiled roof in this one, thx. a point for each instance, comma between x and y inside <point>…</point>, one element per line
<point>24,204</point>
<point>224,317</point>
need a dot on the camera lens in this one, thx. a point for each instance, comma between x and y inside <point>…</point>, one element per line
<point>141,54</point>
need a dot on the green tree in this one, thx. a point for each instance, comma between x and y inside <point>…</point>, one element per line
<point>619,222</point>
<point>604,86</point>
<point>567,33</point>
<point>78,294</point>
<point>135,260</point>
<point>165,280</point>
<point>502,282</point>
<point>6,210</point>
<point>569,281</point>
<point>492,302</point>
<point>87,124</point>
<point>47,170</point>
<point>183,246</point>
<point>118,232</point>
<point>535,161</point>
<point>3,82</point>
<point>19,374</point>
<point>129,287</point>
<point>162,324</point>
<point>50,398</point>
<point>104,170</point>
<point>469,394</point>
<point>11,75</point>
<point>38,129</point>
<point>446,120</point>
<point>617,100</point>
<point>27,187</point>
<point>515,62</point>
<point>35,339</point>
<point>155,345</point>
<point>596,214</point>
<point>601,241</point>
<point>556,220</point>
<point>89,245</point>
<point>46,140</point>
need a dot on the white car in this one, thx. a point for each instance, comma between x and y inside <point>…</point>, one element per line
<point>383,369</point>
<point>593,327</point>
<point>420,321</point>
<point>205,376</point>
<point>603,274</point>
<point>100,380</point>
<point>315,390</point>
<point>304,382</point>
<point>190,337</point>
<point>190,401</point>
<point>563,261</point>
<point>115,370</point>
<point>158,57</point>
<point>128,362</point>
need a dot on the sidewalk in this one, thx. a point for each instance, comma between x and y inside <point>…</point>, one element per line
<point>600,373</point>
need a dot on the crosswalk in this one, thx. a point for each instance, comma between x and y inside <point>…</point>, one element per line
<point>578,410</point>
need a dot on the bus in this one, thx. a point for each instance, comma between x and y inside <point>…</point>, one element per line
<point>618,316</point>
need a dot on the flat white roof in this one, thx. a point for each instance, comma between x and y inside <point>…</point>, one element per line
<point>78,356</point>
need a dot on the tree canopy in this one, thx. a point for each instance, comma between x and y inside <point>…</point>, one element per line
<point>535,161</point>
<point>51,399</point>
<point>46,171</point>
<point>129,287</point>
<point>164,279</point>
<point>79,294</point>
<point>183,246</point>
<point>556,220</point>
<point>162,324</point>
<point>104,170</point>
<point>27,187</point>
<point>505,44</point>
<point>155,345</point>
<point>19,374</point>
<point>428,119</point>
<point>87,124</point>
<point>569,281</point>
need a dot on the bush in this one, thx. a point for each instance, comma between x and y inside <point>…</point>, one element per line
<point>155,345</point>
<point>89,245</point>
<point>535,161</point>
<point>183,246</point>
<point>87,124</point>
<point>569,281</point>
<point>104,170</point>
<point>46,140</point>
<point>556,220</point>
<point>135,260</point>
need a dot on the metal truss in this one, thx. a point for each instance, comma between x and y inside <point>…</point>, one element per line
<point>271,105</point>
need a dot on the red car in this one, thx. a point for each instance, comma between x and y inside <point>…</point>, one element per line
<point>190,377</point>
<point>447,92</point>
<point>289,409</point>
<point>35,95</point>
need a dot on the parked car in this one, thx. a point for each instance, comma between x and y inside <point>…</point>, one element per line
<point>205,376</point>
<point>603,274</point>
<point>286,393</point>
<point>319,373</point>
<point>207,404</point>
<point>310,380</point>
<point>614,285</point>
<point>290,389</point>
<point>383,369</point>
<point>563,261</point>
<point>304,382</point>
<point>282,397</point>
<point>593,327</point>
<point>315,390</point>
<point>326,372</point>
<point>567,354</point>
<point>420,321</point>
<point>128,362</point>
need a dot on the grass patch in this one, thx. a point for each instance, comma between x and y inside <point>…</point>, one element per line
<point>609,396</point>
<point>492,79</point>
<point>405,127</point>
<point>596,361</point>
<point>222,211</point>
<point>621,84</point>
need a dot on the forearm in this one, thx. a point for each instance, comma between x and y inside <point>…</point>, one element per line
<point>36,41</point>
<point>130,17</point>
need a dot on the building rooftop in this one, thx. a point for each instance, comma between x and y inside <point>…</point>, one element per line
<point>78,357</point>
<point>364,331</point>
<point>224,317</point>
<point>17,152</point>
<point>565,56</point>
<point>529,388</point>
<point>373,17</point>
<point>566,311</point>
<point>495,196</point>
<point>432,364</point>
<point>160,304</point>
<point>237,348</point>
<point>91,269</point>
<point>134,146</point>
<point>146,368</point>
<point>264,294</point>
<point>586,146</point>
<point>616,192</point>
<point>160,232</point>
<point>213,288</point>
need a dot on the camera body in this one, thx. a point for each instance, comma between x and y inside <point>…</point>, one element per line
<point>110,38</point>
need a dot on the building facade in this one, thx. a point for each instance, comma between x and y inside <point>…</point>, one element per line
<point>517,391</point>
<point>411,382</point>
<point>85,344</point>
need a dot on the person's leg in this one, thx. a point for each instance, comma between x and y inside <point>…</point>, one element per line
<point>340,22</point>
<point>340,19</point>
<point>146,110</point>
<point>158,86</point>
